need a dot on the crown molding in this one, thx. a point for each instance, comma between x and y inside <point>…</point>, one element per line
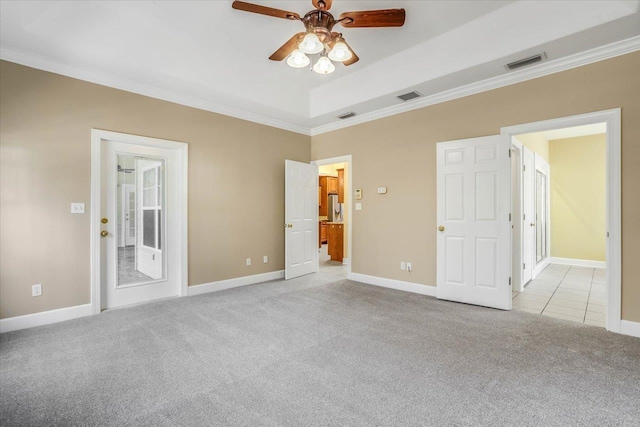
<point>40,63</point>
<point>546,68</point>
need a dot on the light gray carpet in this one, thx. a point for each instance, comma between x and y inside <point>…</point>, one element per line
<point>317,351</point>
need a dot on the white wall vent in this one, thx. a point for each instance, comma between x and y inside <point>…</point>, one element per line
<point>346,115</point>
<point>539,57</point>
<point>409,95</point>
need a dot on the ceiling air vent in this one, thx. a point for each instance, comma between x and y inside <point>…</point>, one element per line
<point>347,115</point>
<point>409,95</point>
<point>526,61</point>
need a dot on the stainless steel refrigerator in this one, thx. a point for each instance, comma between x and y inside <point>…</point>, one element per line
<point>334,212</point>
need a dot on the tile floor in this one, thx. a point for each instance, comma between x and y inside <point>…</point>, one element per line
<point>566,292</point>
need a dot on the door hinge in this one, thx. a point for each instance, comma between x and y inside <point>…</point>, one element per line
<point>524,168</point>
<point>509,217</point>
<point>524,266</point>
<point>509,152</point>
<point>607,234</point>
<point>509,281</point>
<point>524,217</point>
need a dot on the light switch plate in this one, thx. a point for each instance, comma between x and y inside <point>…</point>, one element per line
<point>358,193</point>
<point>358,206</point>
<point>77,208</point>
<point>382,190</point>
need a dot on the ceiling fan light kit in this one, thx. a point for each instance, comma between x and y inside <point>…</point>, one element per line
<point>318,38</point>
<point>298,59</point>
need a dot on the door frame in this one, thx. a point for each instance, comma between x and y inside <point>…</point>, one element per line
<point>182,152</point>
<point>612,118</point>
<point>517,210</point>
<point>348,159</point>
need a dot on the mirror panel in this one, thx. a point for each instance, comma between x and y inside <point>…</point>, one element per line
<point>541,216</point>
<point>140,225</point>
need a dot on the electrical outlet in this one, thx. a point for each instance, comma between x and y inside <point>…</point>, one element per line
<point>36,290</point>
<point>77,208</point>
<point>265,259</point>
<point>403,265</point>
<point>409,267</point>
<point>248,261</point>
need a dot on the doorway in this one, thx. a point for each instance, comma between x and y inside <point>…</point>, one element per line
<point>334,215</point>
<point>138,219</point>
<point>566,237</point>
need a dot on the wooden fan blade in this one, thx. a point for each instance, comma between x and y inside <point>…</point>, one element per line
<point>373,18</point>
<point>263,10</point>
<point>287,48</point>
<point>327,4</point>
<point>337,37</point>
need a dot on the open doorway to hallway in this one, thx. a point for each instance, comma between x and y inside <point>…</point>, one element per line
<point>559,190</point>
<point>334,209</point>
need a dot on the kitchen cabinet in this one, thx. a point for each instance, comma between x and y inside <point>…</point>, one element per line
<point>335,238</point>
<point>332,185</point>
<point>322,233</point>
<point>340,185</point>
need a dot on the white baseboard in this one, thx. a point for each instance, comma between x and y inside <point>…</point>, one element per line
<point>345,261</point>
<point>415,288</point>
<point>628,327</point>
<point>578,262</point>
<point>44,318</point>
<point>234,283</point>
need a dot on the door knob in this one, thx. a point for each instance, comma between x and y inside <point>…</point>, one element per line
<point>441,228</point>
<point>104,220</point>
<point>104,233</point>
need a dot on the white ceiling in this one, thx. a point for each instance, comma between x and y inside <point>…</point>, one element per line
<point>207,55</point>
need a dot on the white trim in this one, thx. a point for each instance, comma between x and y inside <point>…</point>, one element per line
<point>546,68</point>
<point>348,159</point>
<point>182,149</point>
<point>628,327</point>
<point>614,196</point>
<point>235,283</point>
<point>399,285</point>
<point>578,262</point>
<point>40,63</point>
<point>44,318</point>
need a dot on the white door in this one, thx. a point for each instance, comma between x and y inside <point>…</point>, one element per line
<point>301,219</point>
<point>473,210</point>
<point>129,204</point>
<point>528,218</point>
<point>131,274</point>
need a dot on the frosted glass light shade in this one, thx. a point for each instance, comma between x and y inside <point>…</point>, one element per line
<point>311,44</point>
<point>324,66</point>
<point>340,52</point>
<point>298,59</point>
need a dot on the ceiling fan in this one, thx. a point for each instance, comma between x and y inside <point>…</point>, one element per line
<point>318,37</point>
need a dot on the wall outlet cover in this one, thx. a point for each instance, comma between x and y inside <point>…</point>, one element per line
<point>36,290</point>
<point>248,261</point>
<point>265,259</point>
<point>358,206</point>
<point>403,265</point>
<point>77,208</point>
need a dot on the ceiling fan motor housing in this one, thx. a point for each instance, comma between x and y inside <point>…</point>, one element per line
<point>320,22</point>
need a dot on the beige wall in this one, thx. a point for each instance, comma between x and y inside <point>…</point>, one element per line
<point>236,184</point>
<point>578,197</point>
<point>399,152</point>
<point>535,142</point>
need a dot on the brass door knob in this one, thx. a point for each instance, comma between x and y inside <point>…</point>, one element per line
<point>104,233</point>
<point>104,220</point>
<point>441,228</point>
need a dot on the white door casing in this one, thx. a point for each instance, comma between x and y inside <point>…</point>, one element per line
<point>105,148</point>
<point>528,220</point>
<point>473,207</point>
<point>301,219</point>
